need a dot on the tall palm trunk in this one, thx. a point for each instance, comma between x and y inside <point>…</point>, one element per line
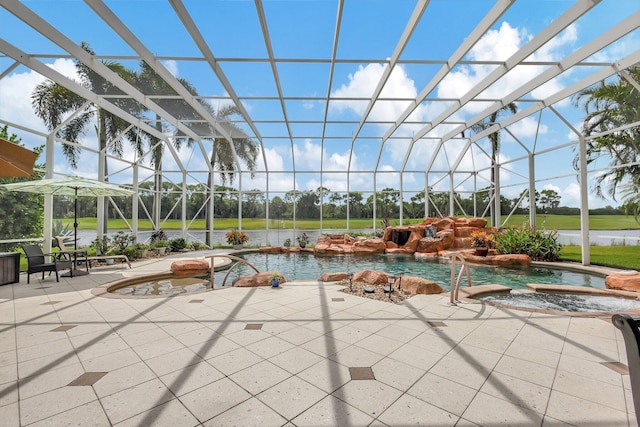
<point>492,188</point>
<point>208,216</point>
<point>102,132</point>
<point>157,181</point>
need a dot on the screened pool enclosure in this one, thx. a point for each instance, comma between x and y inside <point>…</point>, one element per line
<point>281,112</point>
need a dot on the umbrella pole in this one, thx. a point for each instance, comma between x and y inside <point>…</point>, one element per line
<point>75,219</point>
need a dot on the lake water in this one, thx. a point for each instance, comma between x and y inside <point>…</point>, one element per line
<point>277,237</point>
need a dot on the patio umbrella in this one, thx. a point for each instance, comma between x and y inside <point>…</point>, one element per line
<point>15,161</point>
<point>70,186</point>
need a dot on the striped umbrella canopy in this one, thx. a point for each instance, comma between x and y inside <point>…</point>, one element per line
<point>70,186</point>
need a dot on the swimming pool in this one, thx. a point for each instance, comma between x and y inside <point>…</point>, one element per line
<point>305,266</point>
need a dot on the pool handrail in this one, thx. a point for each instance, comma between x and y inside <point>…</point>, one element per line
<point>233,258</point>
<point>455,283</point>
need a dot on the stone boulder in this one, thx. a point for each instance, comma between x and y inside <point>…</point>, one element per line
<point>464,231</point>
<point>623,282</point>
<point>476,222</point>
<point>508,260</point>
<point>369,246</point>
<point>444,224</point>
<point>419,285</point>
<point>334,277</point>
<point>470,256</point>
<point>349,240</point>
<point>190,267</point>
<point>371,277</point>
<point>414,238</point>
<point>447,238</point>
<point>430,245</point>
<point>390,245</point>
<point>258,279</point>
<point>332,249</point>
<point>461,242</point>
<point>270,250</point>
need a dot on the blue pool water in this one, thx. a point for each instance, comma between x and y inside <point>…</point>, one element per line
<point>309,267</point>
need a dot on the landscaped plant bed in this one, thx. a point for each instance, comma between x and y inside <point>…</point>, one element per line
<point>357,289</point>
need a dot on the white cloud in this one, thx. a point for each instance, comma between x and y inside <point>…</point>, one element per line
<point>497,45</point>
<point>528,127</point>
<point>16,90</point>
<point>308,156</point>
<point>552,187</point>
<point>171,66</point>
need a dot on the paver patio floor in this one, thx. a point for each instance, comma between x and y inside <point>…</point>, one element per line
<point>293,356</point>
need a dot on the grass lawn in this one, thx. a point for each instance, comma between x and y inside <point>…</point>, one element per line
<point>612,256</point>
<point>548,222</point>
<point>572,222</point>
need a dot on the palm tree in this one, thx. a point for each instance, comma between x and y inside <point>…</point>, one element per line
<point>495,139</point>
<point>222,154</point>
<point>609,106</point>
<point>53,102</point>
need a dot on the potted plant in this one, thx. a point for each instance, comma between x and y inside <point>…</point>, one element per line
<point>287,243</point>
<point>302,239</point>
<point>161,246</point>
<point>143,249</point>
<point>158,235</point>
<point>482,241</point>
<point>275,278</point>
<point>236,238</point>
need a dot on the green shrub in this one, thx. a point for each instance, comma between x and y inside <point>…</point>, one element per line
<point>132,252</point>
<point>196,246</point>
<point>539,245</point>
<point>122,241</point>
<point>178,244</point>
<point>101,245</point>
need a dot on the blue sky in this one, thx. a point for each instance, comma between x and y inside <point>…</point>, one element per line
<point>370,30</point>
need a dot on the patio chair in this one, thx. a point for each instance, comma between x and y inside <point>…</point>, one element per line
<point>74,255</point>
<point>36,262</point>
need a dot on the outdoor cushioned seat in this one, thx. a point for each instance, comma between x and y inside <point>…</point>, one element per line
<point>36,262</point>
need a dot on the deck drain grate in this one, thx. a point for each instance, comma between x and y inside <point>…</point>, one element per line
<point>337,299</point>
<point>364,373</point>
<point>63,328</point>
<point>50,302</point>
<point>43,287</point>
<point>254,326</point>
<point>88,378</point>
<point>436,323</point>
<point>618,367</point>
<point>196,301</point>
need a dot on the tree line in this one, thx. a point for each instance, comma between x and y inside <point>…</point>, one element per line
<point>320,203</point>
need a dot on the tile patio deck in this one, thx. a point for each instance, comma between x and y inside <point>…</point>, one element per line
<point>297,356</point>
